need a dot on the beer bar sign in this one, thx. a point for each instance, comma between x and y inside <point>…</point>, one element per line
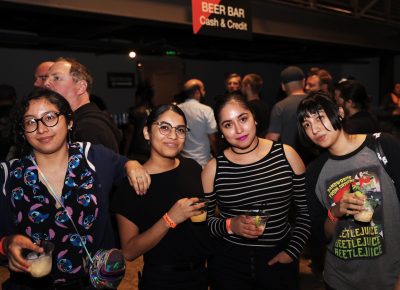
<point>226,18</point>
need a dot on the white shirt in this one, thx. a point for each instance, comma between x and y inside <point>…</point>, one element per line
<point>201,122</point>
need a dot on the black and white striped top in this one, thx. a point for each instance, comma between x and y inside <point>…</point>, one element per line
<point>270,181</point>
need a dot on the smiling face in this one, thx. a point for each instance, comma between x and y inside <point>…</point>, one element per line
<point>312,84</point>
<point>45,140</point>
<point>237,124</point>
<point>320,130</point>
<point>170,144</point>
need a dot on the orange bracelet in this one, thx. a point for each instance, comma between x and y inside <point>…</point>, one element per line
<point>2,252</point>
<point>228,226</point>
<point>331,217</point>
<point>170,223</point>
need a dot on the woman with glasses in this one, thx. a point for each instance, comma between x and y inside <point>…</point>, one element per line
<point>157,224</point>
<point>57,191</point>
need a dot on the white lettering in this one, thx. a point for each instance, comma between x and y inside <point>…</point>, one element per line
<point>209,22</point>
<point>235,25</point>
<point>213,8</point>
<point>236,12</point>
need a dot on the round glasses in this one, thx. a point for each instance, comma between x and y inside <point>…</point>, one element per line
<point>166,129</point>
<point>50,119</point>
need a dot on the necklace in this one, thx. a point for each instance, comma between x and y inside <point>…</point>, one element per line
<point>251,150</point>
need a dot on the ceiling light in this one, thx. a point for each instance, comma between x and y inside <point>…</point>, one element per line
<point>132,54</point>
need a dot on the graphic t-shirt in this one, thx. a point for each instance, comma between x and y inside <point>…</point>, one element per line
<point>356,239</point>
<point>360,255</point>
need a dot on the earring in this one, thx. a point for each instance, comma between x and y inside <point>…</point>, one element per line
<point>222,136</point>
<point>69,140</point>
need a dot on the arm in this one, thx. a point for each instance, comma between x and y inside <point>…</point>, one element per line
<point>302,227</point>
<point>135,244</point>
<point>138,176</point>
<point>275,124</point>
<point>213,143</point>
<point>110,167</point>
<point>239,225</point>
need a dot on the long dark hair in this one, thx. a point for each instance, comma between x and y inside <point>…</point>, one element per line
<point>52,97</point>
<point>355,91</point>
<point>161,109</point>
<point>312,104</point>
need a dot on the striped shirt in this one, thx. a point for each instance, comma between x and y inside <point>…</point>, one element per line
<point>270,181</point>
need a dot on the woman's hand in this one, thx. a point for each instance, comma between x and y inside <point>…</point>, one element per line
<point>138,177</point>
<point>348,205</point>
<point>244,226</point>
<point>282,258</point>
<point>184,209</point>
<point>14,246</point>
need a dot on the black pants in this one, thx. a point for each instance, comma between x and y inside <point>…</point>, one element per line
<point>245,268</point>
<point>174,277</point>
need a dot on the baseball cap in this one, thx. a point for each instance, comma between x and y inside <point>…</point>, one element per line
<point>291,74</point>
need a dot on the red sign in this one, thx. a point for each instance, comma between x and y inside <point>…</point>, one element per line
<point>222,18</point>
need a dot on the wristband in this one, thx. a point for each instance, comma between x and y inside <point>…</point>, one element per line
<point>228,226</point>
<point>331,217</point>
<point>170,223</point>
<point>2,252</point>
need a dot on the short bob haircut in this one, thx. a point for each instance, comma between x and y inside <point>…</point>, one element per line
<point>313,104</point>
<point>52,97</point>
<point>161,109</point>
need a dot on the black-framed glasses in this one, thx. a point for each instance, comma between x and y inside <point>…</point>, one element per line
<point>165,128</point>
<point>50,119</point>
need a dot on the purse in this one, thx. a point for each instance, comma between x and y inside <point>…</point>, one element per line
<point>106,267</point>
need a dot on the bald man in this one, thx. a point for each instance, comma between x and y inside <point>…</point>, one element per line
<point>41,73</point>
<point>201,122</point>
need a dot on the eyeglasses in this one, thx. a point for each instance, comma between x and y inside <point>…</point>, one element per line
<point>166,129</point>
<point>50,119</point>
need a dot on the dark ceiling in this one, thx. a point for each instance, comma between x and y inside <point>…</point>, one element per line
<point>35,27</point>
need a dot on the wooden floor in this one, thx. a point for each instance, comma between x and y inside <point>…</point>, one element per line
<point>307,280</point>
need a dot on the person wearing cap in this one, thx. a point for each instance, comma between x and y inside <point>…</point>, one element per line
<point>282,125</point>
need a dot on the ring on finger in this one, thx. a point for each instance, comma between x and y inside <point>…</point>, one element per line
<point>138,177</point>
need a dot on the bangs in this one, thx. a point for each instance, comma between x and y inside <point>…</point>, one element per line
<point>307,108</point>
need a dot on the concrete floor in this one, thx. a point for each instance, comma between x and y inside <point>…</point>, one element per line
<point>307,280</point>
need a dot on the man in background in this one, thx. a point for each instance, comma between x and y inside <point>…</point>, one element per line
<point>201,122</point>
<point>251,89</point>
<point>319,80</point>
<point>283,121</point>
<point>233,83</point>
<point>41,74</point>
<point>73,81</point>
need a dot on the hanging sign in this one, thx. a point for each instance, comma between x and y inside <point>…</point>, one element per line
<point>229,18</point>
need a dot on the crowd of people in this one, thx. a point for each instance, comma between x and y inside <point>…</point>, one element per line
<point>272,182</point>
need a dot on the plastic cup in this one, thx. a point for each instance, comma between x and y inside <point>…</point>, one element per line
<point>41,263</point>
<point>366,214</point>
<point>203,216</point>
<point>259,215</point>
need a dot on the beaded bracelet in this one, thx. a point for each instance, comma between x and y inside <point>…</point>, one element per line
<point>228,226</point>
<point>2,252</point>
<point>170,223</point>
<point>331,217</point>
